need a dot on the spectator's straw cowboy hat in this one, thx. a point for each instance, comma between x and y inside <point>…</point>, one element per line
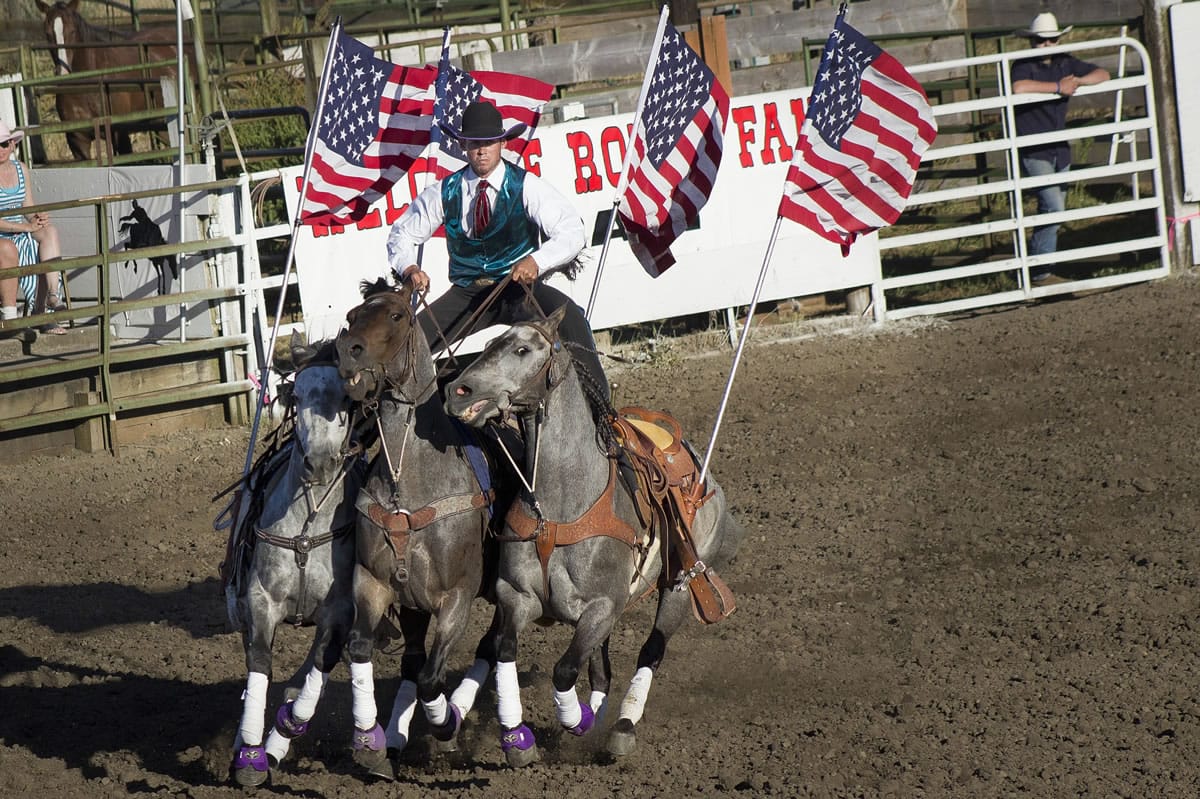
<point>481,121</point>
<point>1044,26</point>
<point>6,133</point>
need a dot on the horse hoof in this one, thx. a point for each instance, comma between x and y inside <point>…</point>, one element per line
<point>445,732</point>
<point>520,748</point>
<point>287,724</point>
<point>382,767</point>
<point>370,752</point>
<point>250,766</point>
<point>585,722</point>
<point>622,738</point>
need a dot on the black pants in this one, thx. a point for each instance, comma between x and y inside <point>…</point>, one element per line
<point>449,313</point>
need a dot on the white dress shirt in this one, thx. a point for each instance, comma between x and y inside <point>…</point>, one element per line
<point>561,226</point>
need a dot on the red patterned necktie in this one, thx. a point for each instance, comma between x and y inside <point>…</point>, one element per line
<point>483,209</point>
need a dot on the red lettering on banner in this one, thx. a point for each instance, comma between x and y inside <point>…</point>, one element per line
<point>776,143</point>
<point>393,210</point>
<point>744,119</point>
<point>774,134</point>
<point>533,157</point>
<point>610,136</point>
<point>370,221</point>
<point>587,177</point>
<point>797,108</point>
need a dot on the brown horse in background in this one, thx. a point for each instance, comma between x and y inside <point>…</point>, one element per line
<point>65,26</point>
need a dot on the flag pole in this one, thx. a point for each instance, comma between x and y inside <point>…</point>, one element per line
<point>435,141</point>
<point>762,276</point>
<point>269,353</point>
<point>637,119</point>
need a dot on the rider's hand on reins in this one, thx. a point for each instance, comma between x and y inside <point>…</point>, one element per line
<point>526,271</point>
<point>416,278</point>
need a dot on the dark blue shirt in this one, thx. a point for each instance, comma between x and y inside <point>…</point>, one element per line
<point>1050,115</point>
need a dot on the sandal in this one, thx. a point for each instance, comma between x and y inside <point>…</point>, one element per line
<point>52,329</point>
<point>55,303</point>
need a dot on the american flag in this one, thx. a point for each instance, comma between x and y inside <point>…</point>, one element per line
<point>867,124</point>
<point>374,125</point>
<point>519,99</point>
<point>676,150</point>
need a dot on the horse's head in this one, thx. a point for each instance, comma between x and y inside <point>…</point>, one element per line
<point>512,375</point>
<point>377,347</point>
<point>63,25</point>
<point>322,412</point>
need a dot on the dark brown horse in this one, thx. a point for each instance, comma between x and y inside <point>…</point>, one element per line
<point>65,30</point>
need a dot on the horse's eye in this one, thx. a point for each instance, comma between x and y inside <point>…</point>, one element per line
<point>396,317</point>
<point>522,350</point>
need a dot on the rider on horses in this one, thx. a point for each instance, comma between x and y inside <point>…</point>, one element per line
<point>499,220</point>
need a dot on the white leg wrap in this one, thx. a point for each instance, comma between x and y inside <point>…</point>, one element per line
<point>362,689</point>
<point>567,705</point>
<point>464,695</point>
<point>254,708</point>
<point>277,745</point>
<point>437,710</point>
<point>310,693</point>
<point>402,714</point>
<point>635,698</point>
<point>508,695</point>
<point>599,703</point>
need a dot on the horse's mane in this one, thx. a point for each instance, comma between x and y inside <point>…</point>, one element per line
<point>369,288</point>
<point>603,413</point>
<point>326,351</point>
<point>572,268</point>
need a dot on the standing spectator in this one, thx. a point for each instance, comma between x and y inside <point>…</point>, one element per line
<point>1061,74</point>
<point>32,236</point>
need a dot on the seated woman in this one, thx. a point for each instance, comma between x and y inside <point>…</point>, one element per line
<point>31,235</point>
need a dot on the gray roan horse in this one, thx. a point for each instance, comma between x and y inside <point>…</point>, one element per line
<point>422,528</point>
<point>575,547</point>
<point>299,520</point>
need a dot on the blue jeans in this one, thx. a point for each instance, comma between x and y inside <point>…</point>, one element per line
<point>1050,199</point>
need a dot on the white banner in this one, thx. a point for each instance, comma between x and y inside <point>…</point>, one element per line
<point>717,263</point>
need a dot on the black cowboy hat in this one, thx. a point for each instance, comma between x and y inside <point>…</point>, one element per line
<point>481,121</point>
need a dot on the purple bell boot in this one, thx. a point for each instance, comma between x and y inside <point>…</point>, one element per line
<point>251,757</point>
<point>448,729</point>
<point>287,724</point>
<point>372,739</point>
<point>586,720</point>
<point>517,738</point>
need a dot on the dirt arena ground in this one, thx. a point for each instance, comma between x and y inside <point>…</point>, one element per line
<point>970,570</point>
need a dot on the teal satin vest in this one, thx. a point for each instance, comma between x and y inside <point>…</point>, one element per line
<point>510,236</point>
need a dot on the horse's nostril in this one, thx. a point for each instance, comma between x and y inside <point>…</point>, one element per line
<point>462,391</point>
<point>356,350</point>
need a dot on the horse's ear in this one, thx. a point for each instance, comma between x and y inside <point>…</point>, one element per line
<point>73,5</point>
<point>45,9</point>
<point>555,319</point>
<point>302,354</point>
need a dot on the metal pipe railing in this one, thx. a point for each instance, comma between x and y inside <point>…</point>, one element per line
<point>98,366</point>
